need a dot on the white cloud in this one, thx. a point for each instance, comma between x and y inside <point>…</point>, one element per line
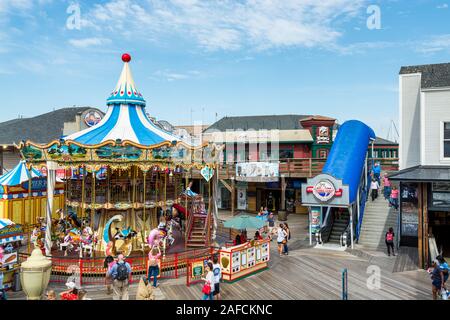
<point>89,42</point>
<point>434,44</point>
<point>168,75</point>
<point>442,6</point>
<point>228,24</point>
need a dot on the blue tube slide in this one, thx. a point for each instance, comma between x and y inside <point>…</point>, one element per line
<point>348,154</point>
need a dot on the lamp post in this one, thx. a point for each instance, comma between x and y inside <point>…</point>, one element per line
<point>35,274</point>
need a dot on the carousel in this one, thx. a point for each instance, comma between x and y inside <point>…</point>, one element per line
<point>127,182</point>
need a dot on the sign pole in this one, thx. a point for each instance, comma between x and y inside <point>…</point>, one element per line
<point>310,231</point>
<point>344,284</point>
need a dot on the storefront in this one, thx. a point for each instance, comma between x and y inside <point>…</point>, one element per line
<point>425,211</point>
<point>11,235</point>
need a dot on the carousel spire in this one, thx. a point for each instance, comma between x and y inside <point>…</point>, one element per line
<point>126,91</point>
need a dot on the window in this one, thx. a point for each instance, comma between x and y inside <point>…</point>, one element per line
<point>286,152</point>
<point>446,135</point>
<point>323,154</point>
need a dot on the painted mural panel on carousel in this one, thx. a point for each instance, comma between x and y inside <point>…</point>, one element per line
<point>32,153</point>
<point>66,152</point>
<point>111,152</point>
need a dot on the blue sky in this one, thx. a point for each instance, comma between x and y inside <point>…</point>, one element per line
<point>230,57</point>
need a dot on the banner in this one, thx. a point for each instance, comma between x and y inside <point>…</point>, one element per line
<point>241,199</point>
<point>316,219</point>
<point>257,171</point>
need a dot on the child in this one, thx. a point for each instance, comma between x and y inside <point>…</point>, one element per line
<point>51,295</point>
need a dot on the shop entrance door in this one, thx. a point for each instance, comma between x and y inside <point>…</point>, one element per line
<point>440,229</point>
<point>271,199</point>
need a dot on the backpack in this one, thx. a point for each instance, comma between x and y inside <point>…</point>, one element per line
<point>122,272</point>
<point>389,237</point>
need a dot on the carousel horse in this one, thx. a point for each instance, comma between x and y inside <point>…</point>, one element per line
<point>120,241</point>
<point>87,241</point>
<point>71,240</point>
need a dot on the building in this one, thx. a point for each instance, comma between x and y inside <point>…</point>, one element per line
<point>424,151</point>
<point>266,158</point>
<point>385,152</point>
<point>42,128</point>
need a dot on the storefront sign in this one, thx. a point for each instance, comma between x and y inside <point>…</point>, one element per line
<point>323,135</point>
<point>7,259</point>
<point>316,219</point>
<point>197,269</point>
<point>11,230</point>
<point>257,171</point>
<point>92,117</point>
<point>324,190</point>
<point>36,184</point>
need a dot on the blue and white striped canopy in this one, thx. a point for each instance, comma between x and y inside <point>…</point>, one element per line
<point>125,119</point>
<point>18,175</point>
<point>5,223</point>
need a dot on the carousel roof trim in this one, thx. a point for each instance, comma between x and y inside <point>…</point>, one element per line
<point>126,120</point>
<point>18,175</point>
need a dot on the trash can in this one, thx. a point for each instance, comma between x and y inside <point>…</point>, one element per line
<point>282,215</point>
<point>17,286</point>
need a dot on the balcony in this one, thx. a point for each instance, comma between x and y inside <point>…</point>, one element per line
<point>297,168</point>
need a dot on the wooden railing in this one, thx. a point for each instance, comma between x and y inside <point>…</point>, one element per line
<point>290,168</point>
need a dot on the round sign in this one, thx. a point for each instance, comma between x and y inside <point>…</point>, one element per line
<point>92,117</point>
<point>324,190</point>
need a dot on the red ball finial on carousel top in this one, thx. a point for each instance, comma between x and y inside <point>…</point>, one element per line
<point>126,57</point>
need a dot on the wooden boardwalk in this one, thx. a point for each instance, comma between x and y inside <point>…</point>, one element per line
<point>307,273</point>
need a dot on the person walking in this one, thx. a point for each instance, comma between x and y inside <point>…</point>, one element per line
<point>374,186</point>
<point>389,238</point>
<point>376,169</point>
<point>288,237</point>
<point>437,279</point>
<point>394,197</point>
<point>281,238</point>
<point>217,271</point>
<point>271,222</point>
<point>208,288</point>
<point>108,264</point>
<point>443,265</point>
<point>386,187</point>
<point>120,273</point>
<point>153,265</point>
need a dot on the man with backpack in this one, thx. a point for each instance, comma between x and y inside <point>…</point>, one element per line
<point>121,273</point>
<point>390,241</point>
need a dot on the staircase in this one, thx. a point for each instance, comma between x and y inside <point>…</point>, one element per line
<point>378,218</point>
<point>339,227</point>
<point>197,235</point>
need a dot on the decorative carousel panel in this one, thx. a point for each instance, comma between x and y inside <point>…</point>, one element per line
<point>211,154</point>
<point>161,153</point>
<point>119,153</point>
<point>123,205</point>
<point>68,152</point>
<point>32,153</point>
<point>181,154</point>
